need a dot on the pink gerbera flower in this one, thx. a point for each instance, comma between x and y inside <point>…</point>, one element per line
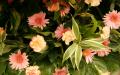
<point>106,42</point>
<point>112,19</point>
<point>105,52</point>
<point>60,30</point>
<point>38,20</point>
<point>62,71</point>
<point>18,60</point>
<point>88,54</point>
<point>65,10</point>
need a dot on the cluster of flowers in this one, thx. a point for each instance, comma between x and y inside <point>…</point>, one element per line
<point>111,21</point>
<point>20,61</point>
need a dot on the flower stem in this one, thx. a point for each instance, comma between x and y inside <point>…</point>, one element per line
<point>19,72</point>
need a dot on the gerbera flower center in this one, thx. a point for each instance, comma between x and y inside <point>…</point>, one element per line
<point>86,52</point>
<point>62,73</point>
<point>106,42</point>
<point>114,18</point>
<point>19,58</point>
<point>38,20</point>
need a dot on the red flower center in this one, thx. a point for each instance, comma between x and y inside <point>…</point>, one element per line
<point>19,58</point>
<point>114,18</point>
<point>106,42</point>
<point>87,52</point>
<point>38,20</point>
<point>61,73</point>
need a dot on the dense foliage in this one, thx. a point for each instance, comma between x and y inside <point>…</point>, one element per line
<point>68,31</point>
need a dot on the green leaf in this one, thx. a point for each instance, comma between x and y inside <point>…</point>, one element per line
<point>115,48</point>
<point>72,58</point>
<point>57,44</point>
<point>78,56</point>
<point>3,37</point>
<point>95,24</point>
<point>29,36</point>
<point>75,29</point>
<point>7,48</point>
<point>2,46</point>
<point>100,66</point>
<point>45,33</point>
<point>10,71</point>
<point>56,16</point>
<point>2,67</point>
<point>15,20</point>
<point>72,1</point>
<point>93,44</point>
<point>46,68</point>
<point>88,69</point>
<point>70,50</point>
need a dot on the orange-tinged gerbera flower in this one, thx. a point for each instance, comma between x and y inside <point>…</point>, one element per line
<point>112,19</point>
<point>53,7</point>
<point>18,60</point>
<point>88,54</point>
<point>38,20</point>
<point>105,52</point>
<point>106,42</point>
<point>65,10</point>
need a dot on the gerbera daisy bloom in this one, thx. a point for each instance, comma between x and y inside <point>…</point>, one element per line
<point>63,71</point>
<point>32,70</point>
<point>38,44</point>
<point>106,42</point>
<point>112,19</point>
<point>18,60</point>
<point>38,20</point>
<point>88,54</point>
<point>60,30</point>
<point>105,52</point>
<point>93,2</point>
<point>53,7</point>
<point>65,10</point>
<point>68,36</point>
